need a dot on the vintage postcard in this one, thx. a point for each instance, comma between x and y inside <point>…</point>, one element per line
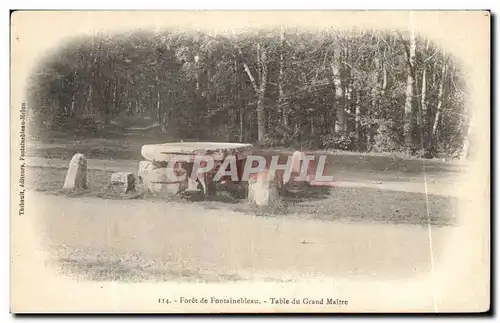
<point>250,161</point>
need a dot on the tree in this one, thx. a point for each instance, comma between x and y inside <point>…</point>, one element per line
<point>409,117</point>
<point>326,89</point>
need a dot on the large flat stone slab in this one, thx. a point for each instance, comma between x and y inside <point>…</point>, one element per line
<point>216,150</point>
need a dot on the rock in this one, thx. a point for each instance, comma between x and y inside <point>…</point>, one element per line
<point>127,180</point>
<point>192,185</point>
<point>296,164</point>
<point>216,150</point>
<point>76,177</point>
<point>297,158</point>
<point>263,189</point>
<point>144,168</point>
<point>158,180</point>
<point>140,183</point>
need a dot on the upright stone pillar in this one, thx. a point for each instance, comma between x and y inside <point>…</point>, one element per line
<point>263,189</point>
<point>76,178</point>
<point>297,159</point>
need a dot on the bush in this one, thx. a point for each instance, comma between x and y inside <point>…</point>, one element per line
<point>224,132</point>
<point>386,139</point>
<point>74,124</point>
<point>334,141</point>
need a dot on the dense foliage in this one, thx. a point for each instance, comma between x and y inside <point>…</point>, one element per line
<point>359,91</point>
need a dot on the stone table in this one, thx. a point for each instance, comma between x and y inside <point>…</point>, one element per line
<point>185,154</point>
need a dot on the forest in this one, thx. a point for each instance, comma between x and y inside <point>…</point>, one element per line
<point>357,90</point>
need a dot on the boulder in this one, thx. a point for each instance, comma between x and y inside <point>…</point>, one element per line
<point>159,180</point>
<point>144,168</point>
<point>297,158</point>
<point>76,177</point>
<point>263,189</point>
<point>124,179</point>
<point>192,185</point>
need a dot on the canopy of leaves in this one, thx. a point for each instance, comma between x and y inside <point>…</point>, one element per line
<point>199,86</point>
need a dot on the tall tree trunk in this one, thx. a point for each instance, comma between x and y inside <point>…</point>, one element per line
<point>417,112</point>
<point>197,88</point>
<point>465,153</point>
<point>269,119</point>
<point>423,109</point>
<point>95,53</point>
<point>237,82</point>
<point>261,113</point>
<point>158,106</point>
<point>113,100</point>
<point>152,107</point>
<point>158,100</point>
<point>408,125</point>
<point>241,124</point>
<point>422,112</point>
<point>384,81</point>
<point>381,101</point>
<point>259,90</point>
<point>440,103</point>
<point>73,97</point>
<point>338,101</point>
<point>371,127</point>
<point>357,125</point>
<point>283,106</point>
<point>349,108</point>
<point>209,75</point>
<point>72,109</point>
<point>164,122</point>
<point>311,123</point>
<point>434,74</point>
<point>89,105</point>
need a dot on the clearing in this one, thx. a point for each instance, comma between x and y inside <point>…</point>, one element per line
<point>373,222</point>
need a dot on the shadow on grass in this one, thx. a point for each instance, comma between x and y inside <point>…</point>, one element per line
<point>306,192</point>
<point>361,204</point>
<point>104,269</point>
<point>119,267</point>
<point>310,202</point>
<point>134,266</point>
<point>126,144</point>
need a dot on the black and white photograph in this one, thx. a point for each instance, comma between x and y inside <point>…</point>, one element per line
<point>250,162</point>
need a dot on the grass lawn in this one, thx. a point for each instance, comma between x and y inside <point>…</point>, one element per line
<point>340,203</point>
<point>126,144</point>
<point>350,203</point>
<point>184,238</point>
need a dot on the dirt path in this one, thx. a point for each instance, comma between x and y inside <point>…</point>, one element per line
<point>170,240</point>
